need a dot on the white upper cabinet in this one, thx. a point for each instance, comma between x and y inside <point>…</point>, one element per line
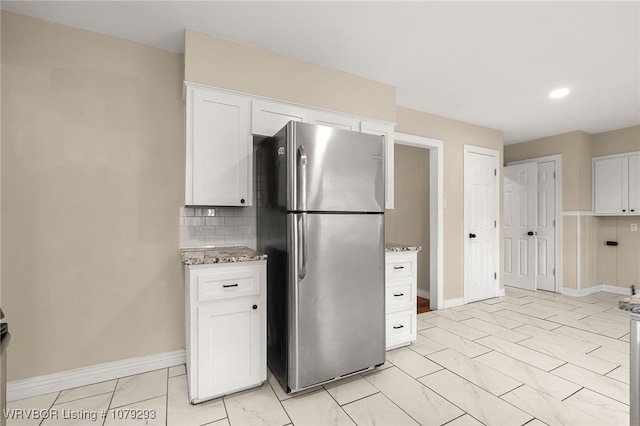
<point>219,148</point>
<point>219,136</point>
<point>634,184</point>
<point>335,120</point>
<point>269,117</point>
<point>387,131</point>
<point>616,184</point>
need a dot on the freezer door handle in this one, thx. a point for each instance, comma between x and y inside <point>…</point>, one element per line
<point>302,178</point>
<point>302,245</point>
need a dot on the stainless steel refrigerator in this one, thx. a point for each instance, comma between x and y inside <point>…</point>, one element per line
<point>320,220</point>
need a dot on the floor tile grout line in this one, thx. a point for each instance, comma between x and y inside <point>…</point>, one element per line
<point>279,400</point>
<point>137,402</point>
<point>582,387</point>
<point>104,420</point>
<point>404,411</point>
<point>166,400</point>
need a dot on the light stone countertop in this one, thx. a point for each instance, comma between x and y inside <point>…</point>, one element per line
<point>631,304</point>
<point>401,247</point>
<point>211,255</point>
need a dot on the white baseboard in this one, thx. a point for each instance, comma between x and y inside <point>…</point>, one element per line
<point>40,385</point>
<point>424,293</point>
<point>450,303</point>
<point>595,289</point>
<point>616,289</point>
<point>501,292</point>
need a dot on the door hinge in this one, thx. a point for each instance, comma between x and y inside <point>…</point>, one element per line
<point>495,172</point>
<point>554,222</point>
<point>495,275</point>
<point>554,271</point>
<point>495,223</point>
<point>554,175</point>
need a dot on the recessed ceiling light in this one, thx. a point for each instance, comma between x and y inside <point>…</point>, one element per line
<point>559,93</point>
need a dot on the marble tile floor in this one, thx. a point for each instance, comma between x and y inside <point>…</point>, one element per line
<point>529,358</point>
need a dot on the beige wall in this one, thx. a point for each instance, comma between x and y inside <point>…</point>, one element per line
<point>222,63</point>
<point>408,222</point>
<point>616,141</point>
<point>588,252</point>
<point>575,148</point>
<point>454,134</point>
<point>618,265</point>
<point>570,252</point>
<point>92,181</point>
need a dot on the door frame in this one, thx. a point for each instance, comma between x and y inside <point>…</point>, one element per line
<point>498,290</point>
<point>436,215</point>
<point>557,159</point>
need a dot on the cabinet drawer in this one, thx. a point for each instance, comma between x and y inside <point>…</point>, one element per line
<point>399,295</point>
<point>400,327</point>
<point>229,283</point>
<point>400,265</point>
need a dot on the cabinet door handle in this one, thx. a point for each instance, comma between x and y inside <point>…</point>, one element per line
<point>398,267</point>
<point>229,285</point>
<point>398,326</point>
<point>624,210</point>
<point>255,306</point>
<point>398,294</point>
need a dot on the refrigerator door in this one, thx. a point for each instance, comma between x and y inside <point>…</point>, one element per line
<point>334,169</point>
<point>336,296</point>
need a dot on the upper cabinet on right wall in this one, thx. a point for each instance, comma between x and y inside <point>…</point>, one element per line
<point>616,184</point>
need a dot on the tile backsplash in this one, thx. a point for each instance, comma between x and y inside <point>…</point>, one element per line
<point>218,226</point>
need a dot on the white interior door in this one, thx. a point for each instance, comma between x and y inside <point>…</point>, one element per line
<point>520,217</point>
<point>546,227</point>
<point>481,204</point>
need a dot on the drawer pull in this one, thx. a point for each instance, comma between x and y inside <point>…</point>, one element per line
<point>398,294</point>
<point>398,326</point>
<point>230,285</point>
<point>398,267</point>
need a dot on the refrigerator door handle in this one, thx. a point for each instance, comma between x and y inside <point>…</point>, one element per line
<point>302,178</point>
<point>302,245</point>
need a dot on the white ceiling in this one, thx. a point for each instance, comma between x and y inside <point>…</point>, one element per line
<point>487,63</point>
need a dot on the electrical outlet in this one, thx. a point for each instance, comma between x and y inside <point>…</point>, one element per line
<point>634,227</point>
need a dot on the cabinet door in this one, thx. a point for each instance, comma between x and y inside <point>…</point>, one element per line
<point>387,131</point>
<point>335,120</point>
<point>611,185</point>
<point>229,342</point>
<point>634,184</point>
<point>218,149</point>
<point>269,117</point>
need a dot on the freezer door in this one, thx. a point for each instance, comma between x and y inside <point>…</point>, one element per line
<point>336,296</point>
<point>334,169</point>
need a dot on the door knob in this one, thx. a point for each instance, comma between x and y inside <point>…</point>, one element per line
<point>472,235</point>
<point>530,233</point>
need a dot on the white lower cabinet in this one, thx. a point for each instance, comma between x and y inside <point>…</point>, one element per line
<point>401,286</point>
<point>226,328</point>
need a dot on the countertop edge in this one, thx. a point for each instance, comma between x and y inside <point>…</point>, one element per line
<point>215,255</point>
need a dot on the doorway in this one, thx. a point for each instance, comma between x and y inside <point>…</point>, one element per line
<point>532,243</point>
<point>432,206</point>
